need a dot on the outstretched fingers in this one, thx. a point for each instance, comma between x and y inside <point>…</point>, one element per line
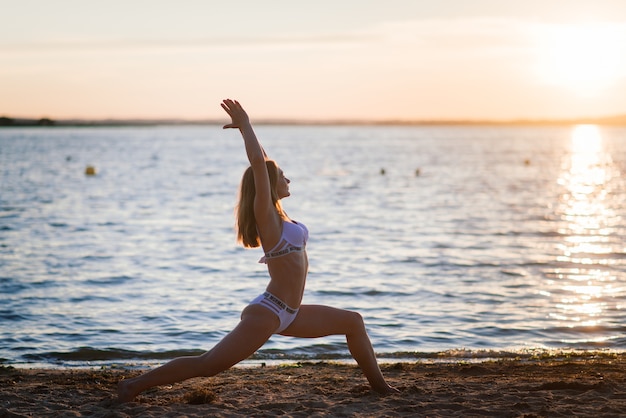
<point>235,111</point>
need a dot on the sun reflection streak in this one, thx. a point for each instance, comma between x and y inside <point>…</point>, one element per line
<point>581,288</point>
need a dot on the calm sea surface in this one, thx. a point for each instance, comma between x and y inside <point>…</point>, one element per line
<point>473,239</point>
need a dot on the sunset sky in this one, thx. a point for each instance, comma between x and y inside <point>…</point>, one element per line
<point>393,59</point>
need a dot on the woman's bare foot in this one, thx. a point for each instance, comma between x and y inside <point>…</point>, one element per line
<point>386,390</point>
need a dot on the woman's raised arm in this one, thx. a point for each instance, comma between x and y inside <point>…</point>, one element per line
<point>264,209</point>
<point>241,121</point>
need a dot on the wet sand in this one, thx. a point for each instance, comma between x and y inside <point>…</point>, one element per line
<point>587,385</point>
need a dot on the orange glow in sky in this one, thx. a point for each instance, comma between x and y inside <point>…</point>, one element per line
<point>401,59</point>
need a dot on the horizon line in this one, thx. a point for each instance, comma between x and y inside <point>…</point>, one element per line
<point>7,121</point>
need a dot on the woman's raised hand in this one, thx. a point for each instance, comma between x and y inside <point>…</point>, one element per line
<point>237,114</point>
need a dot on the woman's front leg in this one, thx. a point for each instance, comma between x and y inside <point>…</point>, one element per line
<point>315,321</point>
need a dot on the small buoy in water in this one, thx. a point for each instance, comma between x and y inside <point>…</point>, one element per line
<point>90,170</point>
<point>382,171</point>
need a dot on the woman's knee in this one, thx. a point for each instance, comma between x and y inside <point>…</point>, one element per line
<point>355,320</point>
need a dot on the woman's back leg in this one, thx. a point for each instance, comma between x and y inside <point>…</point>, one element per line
<point>255,328</point>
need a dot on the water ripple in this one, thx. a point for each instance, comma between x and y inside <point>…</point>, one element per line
<point>481,251</point>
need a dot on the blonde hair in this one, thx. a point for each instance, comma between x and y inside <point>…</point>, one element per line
<point>247,233</point>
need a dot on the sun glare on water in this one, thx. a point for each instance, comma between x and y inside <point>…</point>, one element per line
<point>586,283</point>
<point>585,59</point>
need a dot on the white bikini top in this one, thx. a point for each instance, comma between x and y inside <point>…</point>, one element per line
<point>293,239</point>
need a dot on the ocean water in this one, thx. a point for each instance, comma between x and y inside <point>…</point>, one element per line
<point>445,239</point>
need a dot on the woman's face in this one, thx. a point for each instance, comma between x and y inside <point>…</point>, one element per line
<point>282,185</point>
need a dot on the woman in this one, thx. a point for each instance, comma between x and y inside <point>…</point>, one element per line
<point>262,222</point>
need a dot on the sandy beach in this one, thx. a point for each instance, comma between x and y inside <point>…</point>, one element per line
<point>587,385</point>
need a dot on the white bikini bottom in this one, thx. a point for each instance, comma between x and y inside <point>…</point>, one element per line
<point>285,314</point>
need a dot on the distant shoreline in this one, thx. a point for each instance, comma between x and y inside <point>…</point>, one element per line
<point>8,122</point>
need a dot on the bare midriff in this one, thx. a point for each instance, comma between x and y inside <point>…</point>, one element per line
<point>288,277</point>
